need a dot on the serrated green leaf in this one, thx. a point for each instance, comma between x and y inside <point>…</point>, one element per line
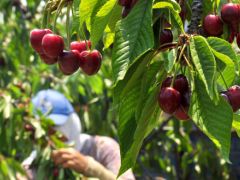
<point>236,123</point>
<point>204,62</point>
<point>101,20</point>
<point>214,120</point>
<point>134,36</point>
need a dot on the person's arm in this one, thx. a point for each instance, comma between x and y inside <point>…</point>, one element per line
<point>86,165</point>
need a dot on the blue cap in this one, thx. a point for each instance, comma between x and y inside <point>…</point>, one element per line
<point>55,102</point>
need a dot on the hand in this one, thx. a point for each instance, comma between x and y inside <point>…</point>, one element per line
<point>70,158</point>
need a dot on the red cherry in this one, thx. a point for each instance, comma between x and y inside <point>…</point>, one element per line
<point>230,15</point>
<point>166,36</point>
<point>80,46</point>
<point>180,83</point>
<point>126,3</point>
<point>53,45</point>
<point>169,100</point>
<point>213,25</point>
<point>48,60</point>
<point>91,61</point>
<point>233,94</point>
<point>68,62</point>
<point>125,11</point>
<point>182,113</point>
<point>238,40</point>
<point>36,37</point>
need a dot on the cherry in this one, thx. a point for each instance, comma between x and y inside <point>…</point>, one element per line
<point>213,25</point>
<point>91,61</point>
<point>230,15</point>
<point>169,99</point>
<point>53,45</point>
<point>36,37</point>
<point>166,36</point>
<point>238,40</point>
<point>80,46</point>
<point>125,11</point>
<point>126,3</point>
<point>233,94</point>
<point>182,113</point>
<point>69,62</point>
<point>48,60</point>
<point>180,83</point>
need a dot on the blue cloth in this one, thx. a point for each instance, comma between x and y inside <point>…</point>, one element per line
<point>55,103</point>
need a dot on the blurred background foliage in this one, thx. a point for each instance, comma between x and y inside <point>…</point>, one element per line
<point>174,150</point>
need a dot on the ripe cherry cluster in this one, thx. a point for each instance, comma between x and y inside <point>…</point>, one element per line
<point>127,6</point>
<point>230,15</point>
<point>50,48</point>
<point>175,100</point>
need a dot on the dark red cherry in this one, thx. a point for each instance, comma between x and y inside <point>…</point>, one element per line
<point>68,62</point>
<point>230,15</point>
<point>213,25</point>
<point>166,36</point>
<point>126,3</point>
<point>233,94</point>
<point>125,11</point>
<point>55,172</point>
<point>80,46</point>
<point>36,37</point>
<point>169,99</point>
<point>53,45</point>
<point>182,113</point>
<point>48,60</point>
<point>180,83</point>
<point>91,61</point>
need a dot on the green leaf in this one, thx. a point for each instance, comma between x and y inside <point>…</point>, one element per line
<point>174,10</point>
<point>224,52</point>
<point>214,120</point>
<point>204,62</point>
<point>132,76</point>
<point>134,36</point>
<point>173,5</point>
<point>131,142</point>
<point>101,20</point>
<point>228,72</point>
<point>236,123</point>
<point>147,82</point>
<point>75,24</point>
<point>85,10</point>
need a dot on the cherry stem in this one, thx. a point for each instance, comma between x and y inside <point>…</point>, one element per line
<point>188,63</point>
<point>57,14</point>
<point>215,7</point>
<point>178,63</point>
<point>68,25</point>
<point>223,78</point>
